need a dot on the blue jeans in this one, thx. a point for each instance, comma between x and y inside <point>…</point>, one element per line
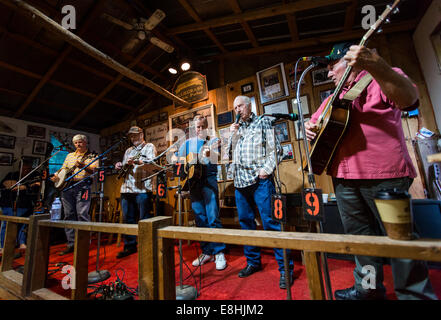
<point>205,205</point>
<point>134,204</point>
<point>75,209</point>
<point>258,196</point>
<point>21,234</point>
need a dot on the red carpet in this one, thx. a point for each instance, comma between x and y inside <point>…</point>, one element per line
<point>217,285</point>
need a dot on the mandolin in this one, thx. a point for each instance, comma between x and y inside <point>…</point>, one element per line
<point>333,121</point>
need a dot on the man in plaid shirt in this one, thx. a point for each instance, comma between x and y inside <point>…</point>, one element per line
<point>252,145</point>
<point>136,193</point>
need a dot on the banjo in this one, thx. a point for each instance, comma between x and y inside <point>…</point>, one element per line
<point>64,173</point>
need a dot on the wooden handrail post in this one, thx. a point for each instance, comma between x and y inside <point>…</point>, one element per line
<point>81,262</point>
<point>9,245</point>
<point>30,252</point>
<point>148,256</point>
<point>41,258</point>
<point>314,274</point>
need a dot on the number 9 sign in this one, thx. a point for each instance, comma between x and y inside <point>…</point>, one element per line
<point>313,204</point>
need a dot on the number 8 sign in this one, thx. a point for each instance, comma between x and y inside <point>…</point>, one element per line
<point>278,208</point>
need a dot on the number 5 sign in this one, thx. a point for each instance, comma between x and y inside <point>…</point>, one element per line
<point>312,202</point>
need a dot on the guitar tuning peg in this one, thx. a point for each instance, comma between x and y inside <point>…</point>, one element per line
<point>387,20</point>
<point>396,10</point>
<point>380,30</point>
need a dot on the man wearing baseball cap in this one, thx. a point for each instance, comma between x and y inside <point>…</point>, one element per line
<point>135,193</point>
<point>372,155</point>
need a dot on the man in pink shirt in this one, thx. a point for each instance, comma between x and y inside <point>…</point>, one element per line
<point>371,156</point>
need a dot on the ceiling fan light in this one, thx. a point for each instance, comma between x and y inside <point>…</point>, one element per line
<point>172,70</point>
<point>185,66</point>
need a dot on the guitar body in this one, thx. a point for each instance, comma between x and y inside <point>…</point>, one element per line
<point>332,129</point>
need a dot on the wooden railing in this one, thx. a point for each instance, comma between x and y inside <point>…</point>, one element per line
<point>156,267</point>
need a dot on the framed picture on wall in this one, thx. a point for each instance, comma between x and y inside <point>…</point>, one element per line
<point>7,142</point>
<point>163,116</point>
<point>224,118</point>
<point>182,123</point>
<point>220,173</point>
<point>272,83</point>
<point>36,132</point>
<point>6,158</point>
<point>247,88</point>
<point>304,102</point>
<point>288,153</point>
<point>320,76</point>
<point>435,38</point>
<point>324,94</point>
<point>282,131</point>
<point>31,161</point>
<point>278,107</point>
<point>254,108</point>
<point>39,147</point>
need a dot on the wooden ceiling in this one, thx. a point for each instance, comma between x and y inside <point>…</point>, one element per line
<point>45,79</point>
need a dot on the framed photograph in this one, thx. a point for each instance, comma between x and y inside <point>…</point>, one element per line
<point>254,106</point>
<point>282,131</point>
<point>299,134</point>
<point>247,88</point>
<point>324,94</point>
<point>224,118</point>
<point>320,76</point>
<point>6,158</point>
<point>7,142</point>
<point>304,102</point>
<point>435,38</point>
<point>272,83</point>
<point>229,171</point>
<point>147,122</point>
<point>163,116</point>
<point>288,153</point>
<point>292,75</point>
<point>278,107</point>
<point>39,147</point>
<point>182,123</point>
<point>36,132</point>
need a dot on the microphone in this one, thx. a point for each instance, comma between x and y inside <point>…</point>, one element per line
<point>317,60</point>
<point>289,116</point>
<point>237,118</point>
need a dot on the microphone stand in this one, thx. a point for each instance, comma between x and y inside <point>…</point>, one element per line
<point>311,178</point>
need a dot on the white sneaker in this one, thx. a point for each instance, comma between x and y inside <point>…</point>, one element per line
<point>221,262</point>
<point>202,259</point>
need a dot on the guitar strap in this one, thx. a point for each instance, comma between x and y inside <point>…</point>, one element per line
<point>358,88</point>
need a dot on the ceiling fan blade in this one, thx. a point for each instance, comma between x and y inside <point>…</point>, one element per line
<point>130,44</point>
<point>161,44</point>
<point>114,20</point>
<point>155,18</point>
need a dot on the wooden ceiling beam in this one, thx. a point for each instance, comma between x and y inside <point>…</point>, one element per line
<point>88,49</point>
<point>292,24</point>
<point>91,16</point>
<point>351,11</point>
<point>284,9</point>
<point>57,106</point>
<point>237,10</point>
<point>51,52</point>
<point>342,36</point>
<point>193,14</point>
<point>61,85</point>
<point>109,87</point>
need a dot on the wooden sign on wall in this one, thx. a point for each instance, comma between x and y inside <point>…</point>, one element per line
<point>191,86</point>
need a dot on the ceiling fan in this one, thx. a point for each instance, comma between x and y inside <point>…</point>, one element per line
<point>142,30</point>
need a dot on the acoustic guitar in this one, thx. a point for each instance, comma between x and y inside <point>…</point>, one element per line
<point>189,170</point>
<point>333,121</point>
